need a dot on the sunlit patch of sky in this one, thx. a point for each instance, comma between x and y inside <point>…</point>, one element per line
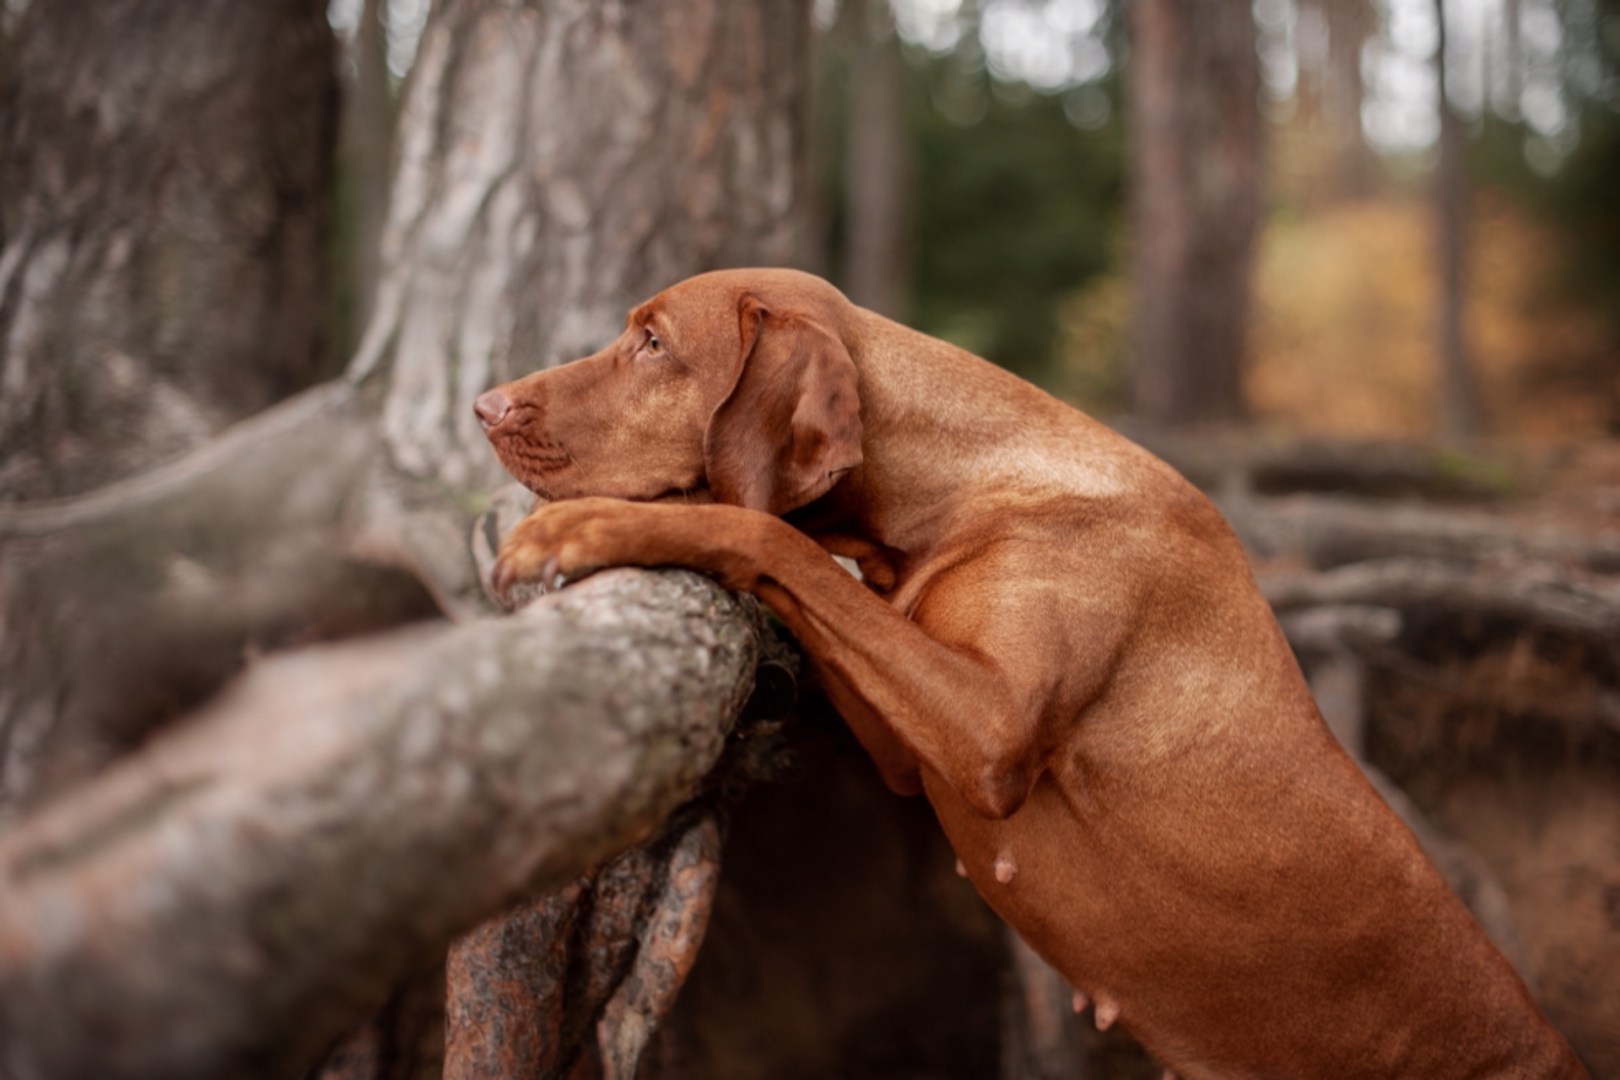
<point>1278,24</point>
<point>935,25</point>
<point>403,19</point>
<point>1525,75</point>
<point>1052,45</point>
<point>1398,109</point>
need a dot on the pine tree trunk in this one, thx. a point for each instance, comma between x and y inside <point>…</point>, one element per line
<point>1459,414</point>
<point>1194,86</point>
<point>558,161</point>
<point>1353,167</point>
<point>164,174</point>
<point>877,167</point>
<point>365,149</point>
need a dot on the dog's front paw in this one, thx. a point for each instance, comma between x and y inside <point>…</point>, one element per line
<point>558,543</point>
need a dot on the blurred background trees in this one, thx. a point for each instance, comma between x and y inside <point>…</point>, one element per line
<point>983,174</point>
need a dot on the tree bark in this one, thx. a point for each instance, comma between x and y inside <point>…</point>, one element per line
<point>124,608</point>
<point>1196,171</point>
<point>877,166</point>
<point>1459,407</point>
<point>1353,167</point>
<point>365,147</point>
<point>1537,597</point>
<point>234,897</point>
<point>164,175</point>
<point>558,163</point>
<point>526,990</point>
<point>1326,532</point>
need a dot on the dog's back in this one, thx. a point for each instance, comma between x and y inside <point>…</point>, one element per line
<point>1198,850</point>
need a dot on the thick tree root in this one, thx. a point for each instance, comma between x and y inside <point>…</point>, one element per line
<point>235,896</point>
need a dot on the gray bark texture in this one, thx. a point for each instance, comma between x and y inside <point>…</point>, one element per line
<point>1194,85</point>
<point>558,163</point>
<point>233,897</point>
<point>1353,168</point>
<point>164,174</point>
<point>230,896</point>
<point>364,152</point>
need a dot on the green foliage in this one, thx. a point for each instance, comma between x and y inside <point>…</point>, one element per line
<point>1583,194</point>
<point>1013,213</point>
<point>1013,207</point>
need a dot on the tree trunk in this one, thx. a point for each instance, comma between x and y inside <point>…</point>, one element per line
<point>557,163</point>
<point>164,176</point>
<point>1352,168</point>
<point>1459,417</point>
<point>877,166</point>
<point>1194,88</point>
<point>365,146</point>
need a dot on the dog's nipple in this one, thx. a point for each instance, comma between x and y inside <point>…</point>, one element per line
<point>1107,1012</point>
<point>1080,1001</point>
<point>961,868</point>
<point>1006,869</point>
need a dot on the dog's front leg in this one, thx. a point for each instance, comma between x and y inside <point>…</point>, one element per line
<point>565,541</point>
<point>949,704</point>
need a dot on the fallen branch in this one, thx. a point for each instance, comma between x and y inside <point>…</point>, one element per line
<point>236,896</point>
<point>1327,532</point>
<point>1537,596</point>
<point>1238,462</point>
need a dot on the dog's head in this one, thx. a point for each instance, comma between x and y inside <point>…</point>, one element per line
<point>734,383</point>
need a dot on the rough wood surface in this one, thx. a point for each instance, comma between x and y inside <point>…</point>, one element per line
<point>558,163</point>
<point>525,990</point>
<point>1537,596</point>
<point>231,899</point>
<point>126,606</point>
<point>1328,532</point>
<point>1196,169</point>
<point>164,167</point>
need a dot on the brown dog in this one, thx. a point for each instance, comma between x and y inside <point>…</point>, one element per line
<point>1058,639</point>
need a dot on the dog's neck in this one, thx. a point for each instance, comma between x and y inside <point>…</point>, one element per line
<point>984,438</point>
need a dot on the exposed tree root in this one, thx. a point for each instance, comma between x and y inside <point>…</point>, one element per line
<point>230,899</point>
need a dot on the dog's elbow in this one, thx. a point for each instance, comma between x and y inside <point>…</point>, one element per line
<point>999,789</point>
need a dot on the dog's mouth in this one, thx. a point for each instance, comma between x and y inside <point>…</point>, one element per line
<point>535,464</point>
<point>688,496</point>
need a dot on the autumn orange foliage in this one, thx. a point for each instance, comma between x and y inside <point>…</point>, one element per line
<point>1344,337</point>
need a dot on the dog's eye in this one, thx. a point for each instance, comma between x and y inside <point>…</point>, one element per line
<point>652,343</point>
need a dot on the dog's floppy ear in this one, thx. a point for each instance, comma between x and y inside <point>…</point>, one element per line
<point>791,425</point>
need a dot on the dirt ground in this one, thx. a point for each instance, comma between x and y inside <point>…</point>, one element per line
<point>1521,760</point>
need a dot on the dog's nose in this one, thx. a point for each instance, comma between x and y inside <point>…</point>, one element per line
<point>491,406</point>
